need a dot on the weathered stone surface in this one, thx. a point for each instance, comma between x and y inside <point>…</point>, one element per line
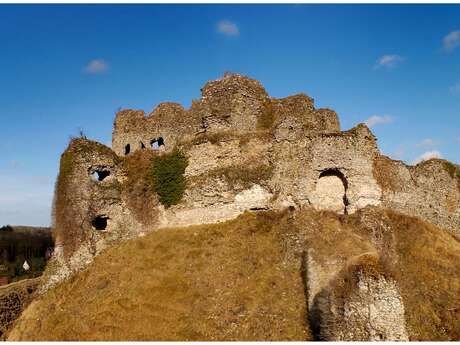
<point>329,194</point>
<point>80,200</point>
<point>429,190</point>
<point>375,310</point>
<point>349,155</point>
<point>360,303</point>
<point>295,116</point>
<point>246,151</point>
<point>14,298</point>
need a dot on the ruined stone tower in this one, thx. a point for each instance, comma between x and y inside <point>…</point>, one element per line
<point>245,151</point>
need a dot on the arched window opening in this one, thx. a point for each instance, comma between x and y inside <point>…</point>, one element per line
<point>156,143</point>
<point>100,222</point>
<point>99,175</point>
<point>335,172</point>
<point>127,149</point>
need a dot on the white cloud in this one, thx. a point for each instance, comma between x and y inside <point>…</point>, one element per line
<point>451,41</point>
<point>378,120</point>
<point>427,155</point>
<point>96,66</point>
<point>428,142</point>
<point>388,61</point>
<point>455,89</point>
<point>228,28</point>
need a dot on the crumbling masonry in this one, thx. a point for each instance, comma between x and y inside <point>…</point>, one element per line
<point>246,151</point>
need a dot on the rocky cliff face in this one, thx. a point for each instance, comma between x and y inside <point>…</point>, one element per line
<point>360,303</point>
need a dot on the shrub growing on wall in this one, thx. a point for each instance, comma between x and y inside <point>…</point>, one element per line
<point>168,177</point>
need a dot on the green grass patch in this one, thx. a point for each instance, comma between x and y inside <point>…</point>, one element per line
<point>238,176</point>
<point>168,177</point>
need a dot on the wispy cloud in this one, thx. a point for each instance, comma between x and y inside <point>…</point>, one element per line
<point>428,142</point>
<point>388,61</point>
<point>13,164</point>
<point>451,41</point>
<point>455,89</point>
<point>427,155</point>
<point>97,66</point>
<point>378,120</point>
<point>228,28</point>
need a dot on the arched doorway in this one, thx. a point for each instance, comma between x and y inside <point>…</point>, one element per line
<point>331,191</point>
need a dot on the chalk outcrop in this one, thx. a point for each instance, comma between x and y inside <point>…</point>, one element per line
<point>359,303</point>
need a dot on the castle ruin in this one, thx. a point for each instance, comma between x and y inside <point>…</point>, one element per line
<point>245,151</point>
<point>280,153</point>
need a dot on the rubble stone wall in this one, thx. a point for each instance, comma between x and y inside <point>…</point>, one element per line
<point>246,152</point>
<point>429,190</point>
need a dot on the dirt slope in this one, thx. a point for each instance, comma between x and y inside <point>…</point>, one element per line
<point>243,280</point>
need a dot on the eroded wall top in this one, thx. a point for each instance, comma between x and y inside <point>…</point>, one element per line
<point>234,103</point>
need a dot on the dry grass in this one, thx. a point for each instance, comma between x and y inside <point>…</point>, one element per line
<point>225,281</point>
<point>138,188</point>
<point>267,118</point>
<point>213,138</point>
<point>220,137</point>
<point>242,280</point>
<point>425,262</point>
<point>428,273</point>
<point>237,176</point>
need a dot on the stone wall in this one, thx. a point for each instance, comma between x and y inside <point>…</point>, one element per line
<point>233,103</point>
<point>246,152</point>
<point>14,298</point>
<point>90,210</point>
<point>429,190</point>
<point>354,300</point>
<point>347,155</point>
<point>296,116</point>
<point>169,121</point>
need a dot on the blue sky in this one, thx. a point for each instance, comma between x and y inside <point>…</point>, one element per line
<point>65,67</point>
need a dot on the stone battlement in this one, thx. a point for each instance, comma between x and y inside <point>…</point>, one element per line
<point>233,103</point>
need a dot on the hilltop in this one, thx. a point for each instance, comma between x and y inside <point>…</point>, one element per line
<point>248,279</point>
<point>252,218</point>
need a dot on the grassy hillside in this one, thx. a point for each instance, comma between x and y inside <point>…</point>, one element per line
<point>243,280</point>
<point>224,281</point>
